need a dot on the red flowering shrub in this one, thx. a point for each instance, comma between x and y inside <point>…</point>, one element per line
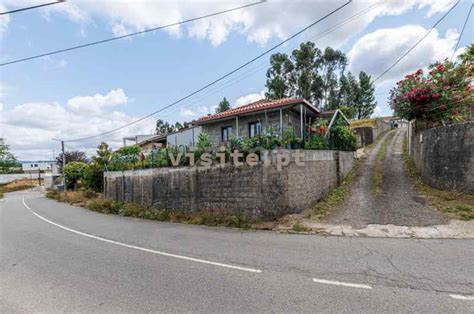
<point>443,95</point>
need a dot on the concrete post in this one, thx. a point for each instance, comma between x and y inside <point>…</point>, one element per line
<point>281,122</point>
<point>237,127</point>
<point>301,122</point>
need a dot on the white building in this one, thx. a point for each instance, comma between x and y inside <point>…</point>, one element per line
<point>40,166</point>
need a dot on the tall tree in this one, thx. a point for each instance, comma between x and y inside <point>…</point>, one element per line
<point>279,77</point>
<point>308,73</point>
<point>163,127</point>
<point>366,103</point>
<point>224,105</point>
<point>330,66</point>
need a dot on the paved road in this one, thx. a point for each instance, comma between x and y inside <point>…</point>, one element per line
<point>60,258</point>
<point>398,204</point>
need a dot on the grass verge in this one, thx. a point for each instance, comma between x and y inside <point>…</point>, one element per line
<point>379,163</point>
<point>17,185</point>
<point>96,202</point>
<point>455,204</point>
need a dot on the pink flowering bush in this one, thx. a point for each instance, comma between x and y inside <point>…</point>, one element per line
<point>441,96</point>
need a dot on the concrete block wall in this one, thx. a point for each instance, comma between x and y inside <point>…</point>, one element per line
<point>260,191</point>
<point>444,156</point>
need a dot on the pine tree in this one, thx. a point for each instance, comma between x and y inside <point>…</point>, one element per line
<point>224,105</point>
<point>366,103</point>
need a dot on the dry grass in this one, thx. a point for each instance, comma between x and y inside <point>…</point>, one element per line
<point>96,202</point>
<point>456,205</point>
<point>363,123</point>
<point>379,163</point>
<point>17,185</point>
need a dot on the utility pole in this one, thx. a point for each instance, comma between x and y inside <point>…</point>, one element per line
<point>64,165</point>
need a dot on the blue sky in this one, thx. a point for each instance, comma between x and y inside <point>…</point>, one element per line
<point>83,92</point>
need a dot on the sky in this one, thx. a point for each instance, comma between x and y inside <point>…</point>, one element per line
<point>92,90</point>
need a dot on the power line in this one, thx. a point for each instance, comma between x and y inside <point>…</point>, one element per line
<point>218,79</point>
<point>462,31</point>
<point>417,43</point>
<point>130,34</point>
<point>262,65</point>
<point>32,7</point>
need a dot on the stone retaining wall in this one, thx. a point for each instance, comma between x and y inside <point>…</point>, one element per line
<point>259,191</point>
<point>444,156</point>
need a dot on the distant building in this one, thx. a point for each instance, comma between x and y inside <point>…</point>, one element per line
<point>44,166</point>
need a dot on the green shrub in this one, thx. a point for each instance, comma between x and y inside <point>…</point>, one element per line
<point>204,141</point>
<point>75,172</point>
<point>316,142</point>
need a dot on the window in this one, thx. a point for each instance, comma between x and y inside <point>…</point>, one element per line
<point>255,128</point>
<point>226,132</point>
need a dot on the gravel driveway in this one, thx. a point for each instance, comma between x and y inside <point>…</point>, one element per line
<point>398,203</point>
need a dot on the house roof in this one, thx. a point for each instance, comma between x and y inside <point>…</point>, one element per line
<point>257,106</point>
<point>152,138</point>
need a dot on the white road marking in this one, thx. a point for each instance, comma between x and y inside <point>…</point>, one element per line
<point>192,259</point>
<point>339,283</point>
<point>462,297</point>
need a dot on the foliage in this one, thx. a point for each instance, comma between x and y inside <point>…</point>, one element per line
<point>93,177</point>
<point>204,141</point>
<point>98,203</point>
<point>163,127</point>
<point>442,96</point>
<point>468,55</point>
<point>125,158</point>
<point>309,73</point>
<point>224,105</point>
<point>71,156</point>
<point>316,142</point>
<point>341,136</point>
<point>7,159</point>
<point>74,171</point>
<point>319,76</point>
<point>365,105</point>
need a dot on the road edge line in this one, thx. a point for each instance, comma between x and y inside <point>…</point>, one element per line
<point>462,297</point>
<point>192,259</point>
<point>340,283</point>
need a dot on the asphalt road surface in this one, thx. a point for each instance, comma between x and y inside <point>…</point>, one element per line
<point>59,258</point>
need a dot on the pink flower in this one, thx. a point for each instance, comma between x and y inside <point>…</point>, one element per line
<point>440,67</point>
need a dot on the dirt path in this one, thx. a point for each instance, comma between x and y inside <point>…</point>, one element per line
<point>398,203</point>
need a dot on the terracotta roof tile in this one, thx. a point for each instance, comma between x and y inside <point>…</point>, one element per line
<point>254,107</point>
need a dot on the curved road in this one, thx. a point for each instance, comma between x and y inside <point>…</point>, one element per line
<point>55,257</point>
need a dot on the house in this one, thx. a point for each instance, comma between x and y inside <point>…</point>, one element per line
<point>258,117</point>
<point>247,121</point>
<point>147,142</point>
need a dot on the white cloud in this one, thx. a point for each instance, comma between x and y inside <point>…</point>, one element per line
<point>95,104</point>
<point>260,23</point>
<point>250,98</point>
<point>189,114</point>
<point>4,20</point>
<point>30,127</point>
<point>376,51</point>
